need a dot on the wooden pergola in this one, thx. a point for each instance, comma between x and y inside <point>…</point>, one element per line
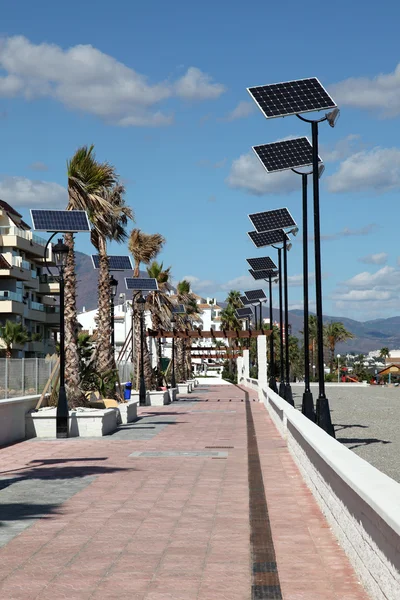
<point>199,333</point>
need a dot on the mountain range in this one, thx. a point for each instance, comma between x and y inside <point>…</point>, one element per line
<point>369,335</point>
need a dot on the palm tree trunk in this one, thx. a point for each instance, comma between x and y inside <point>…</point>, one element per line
<point>105,358</point>
<point>179,359</point>
<point>72,378</point>
<point>148,372</point>
<point>156,325</point>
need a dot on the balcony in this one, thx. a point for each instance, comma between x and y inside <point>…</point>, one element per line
<point>48,284</point>
<point>11,303</point>
<point>25,240</point>
<point>6,295</point>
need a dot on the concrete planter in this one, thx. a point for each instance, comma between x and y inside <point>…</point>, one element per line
<point>184,388</point>
<point>84,422</point>
<point>128,411</point>
<point>135,398</point>
<point>159,398</point>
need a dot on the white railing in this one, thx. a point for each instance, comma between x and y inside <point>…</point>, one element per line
<point>6,295</point>
<point>22,233</point>
<point>37,306</point>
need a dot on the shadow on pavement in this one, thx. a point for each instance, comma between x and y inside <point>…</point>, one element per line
<point>359,442</point>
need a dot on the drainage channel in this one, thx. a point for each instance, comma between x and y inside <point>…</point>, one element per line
<point>265,579</point>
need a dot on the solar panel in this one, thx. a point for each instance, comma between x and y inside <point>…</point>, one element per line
<point>266,274</point>
<point>289,154</point>
<point>267,237</point>
<point>254,295</point>
<point>142,284</point>
<point>244,301</point>
<point>291,97</point>
<point>116,263</point>
<point>60,220</point>
<point>260,263</point>
<point>179,309</point>
<point>272,219</point>
<point>244,313</point>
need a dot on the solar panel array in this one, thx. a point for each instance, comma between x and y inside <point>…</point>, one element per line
<point>291,97</point>
<point>66,221</point>
<point>244,313</point>
<point>179,309</point>
<point>288,154</point>
<point>116,263</point>
<point>266,274</point>
<point>279,218</point>
<point>142,284</point>
<point>244,301</point>
<point>261,263</point>
<point>254,295</point>
<point>267,237</point>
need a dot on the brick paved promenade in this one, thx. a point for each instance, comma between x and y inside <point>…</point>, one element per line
<point>161,510</point>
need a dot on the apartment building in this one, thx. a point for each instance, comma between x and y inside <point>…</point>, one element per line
<point>27,292</point>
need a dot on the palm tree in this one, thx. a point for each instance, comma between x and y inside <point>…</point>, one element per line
<point>159,305</point>
<point>87,180</point>
<point>144,248</point>
<point>234,300</point>
<point>384,353</point>
<point>111,229</point>
<point>13,333</point>
<point>187,298</point>
<point>335,332</point>
<point>230,322</point>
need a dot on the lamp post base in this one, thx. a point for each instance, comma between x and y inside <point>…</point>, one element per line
<point>324,416</point>
<point>62,414</point>
<point>307,407</point>
<point>272,385</point>
<point>142,392</point>
<point>173,381</point>
<point>288,394</point>
<point>282,389</point>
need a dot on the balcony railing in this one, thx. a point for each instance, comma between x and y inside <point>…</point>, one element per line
<point>6,295</point>
<point>37,306</point>
<point>22,233</point>
<point>52,309</point>
<point>34,274</point>
<point>17,261</point>
<point>44,278</point>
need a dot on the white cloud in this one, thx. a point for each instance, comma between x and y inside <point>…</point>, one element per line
<point>375,170</point>
<point>247,173</point>
<point>363,295</point>
<point>200,284</point>
<point>375,259</point>
<point>20,191</point>
<point>244,282</point>
<point>242,110</point>
<point>380,93</point>
<point>387,277</point>
<point>84,78</point>
<point>39,166</point>
<point>342,149</point>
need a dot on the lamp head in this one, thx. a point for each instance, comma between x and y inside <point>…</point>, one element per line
<point>141,304</point>
<point>113,286</point>
<point>333,116</point>
<point>288,247</point>
<point>321,169</point>
<point>294,231</point>
<point>60,251</point>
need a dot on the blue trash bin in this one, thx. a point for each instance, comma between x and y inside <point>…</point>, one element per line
<point>128,390</point>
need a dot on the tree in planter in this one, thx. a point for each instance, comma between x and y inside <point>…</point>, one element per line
<point>187,321</point>
<point>87,181</point>
<point>13,333</point>
<point>144,248</point>
<point>230,322</point>
<point>111,229</point>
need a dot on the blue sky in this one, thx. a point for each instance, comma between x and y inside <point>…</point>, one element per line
<point>160,89</point>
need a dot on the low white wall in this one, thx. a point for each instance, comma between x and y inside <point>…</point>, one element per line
<point>361,504</point>
<point>12,418</point>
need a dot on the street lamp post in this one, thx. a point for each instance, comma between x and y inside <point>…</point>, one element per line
<point>338,367</point>
<point>142,386</point>
<point>272,380</point>
<point>60,252</point>
<point>282,367</point>
<point>113,293</point>
<point>173,380</point>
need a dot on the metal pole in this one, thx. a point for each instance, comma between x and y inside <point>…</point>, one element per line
<point>282,377</point>
<point>62,405</point>
<point>338,369</point>
<point>142,386</point>
<point>307,407</point>
<point>112,328</point>
<point>288,389</point>
<point>260,315</point>
<point>160,381</point>
<point>272,380</point>
<point>323,412</point>
<point>173,380</point>
<point>184,358</point>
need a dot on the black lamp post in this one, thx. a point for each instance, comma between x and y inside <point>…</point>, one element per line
<point>282,367</point>
<point>272,380</point>
<point>173,380</point>
<point>60,253</point>
<point>113,293</point>
<point>142,386</point>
